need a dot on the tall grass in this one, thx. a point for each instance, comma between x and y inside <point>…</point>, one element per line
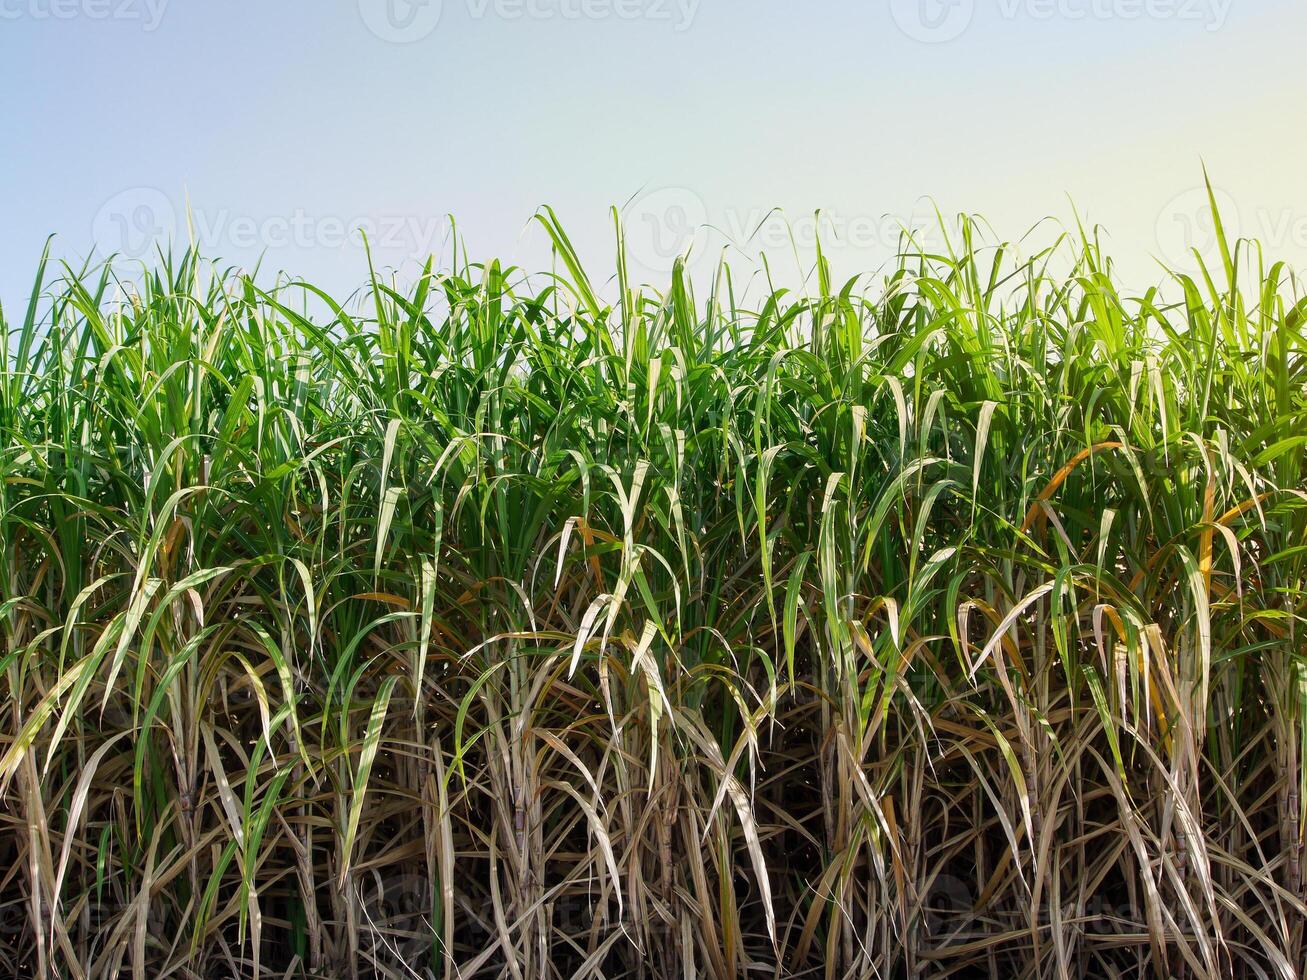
<point>948,624</point>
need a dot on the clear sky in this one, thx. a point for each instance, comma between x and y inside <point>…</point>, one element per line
<point>281,126</point>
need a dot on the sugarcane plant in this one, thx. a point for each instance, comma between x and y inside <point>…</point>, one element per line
<point>943,622</point>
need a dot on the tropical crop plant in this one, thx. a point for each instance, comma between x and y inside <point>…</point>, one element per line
<point>942,622</point>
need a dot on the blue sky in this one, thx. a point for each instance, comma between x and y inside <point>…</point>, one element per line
<point>283,126</point>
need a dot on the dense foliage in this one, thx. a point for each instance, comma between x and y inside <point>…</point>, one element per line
<point>943,623</point>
